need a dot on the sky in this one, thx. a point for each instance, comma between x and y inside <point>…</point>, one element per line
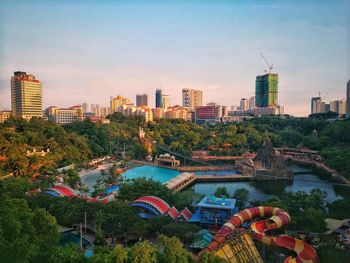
<point>87,51</point>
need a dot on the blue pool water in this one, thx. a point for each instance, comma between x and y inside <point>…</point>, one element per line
<point>70,237</point>
<point>162,175</point>
<point>224,172</point>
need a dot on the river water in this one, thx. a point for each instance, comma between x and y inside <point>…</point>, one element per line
<point>264,190</point>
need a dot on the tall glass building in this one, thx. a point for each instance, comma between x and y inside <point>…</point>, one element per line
<point>266,90</point>
<point>159,98</point>
<point>26,96</point>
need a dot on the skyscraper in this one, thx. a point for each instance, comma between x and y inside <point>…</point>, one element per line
<point>85,107</point>
<point>141,100</point>
<point>251,102</point>
<point>26,96</point>
<point>348,100</point>
<point>317,105</point>
<point>165,101</point>
<point>191,98</point>
<point>159,98</point>
<point>266,90</point>
<point>243,105</point>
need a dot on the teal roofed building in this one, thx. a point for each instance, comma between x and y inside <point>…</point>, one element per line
<point>214,211</point>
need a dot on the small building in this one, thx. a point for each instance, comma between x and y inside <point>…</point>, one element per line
<point>214,211</point>
<point>167,160</point>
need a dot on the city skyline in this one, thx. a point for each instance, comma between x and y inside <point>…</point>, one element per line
<point>120,48</point>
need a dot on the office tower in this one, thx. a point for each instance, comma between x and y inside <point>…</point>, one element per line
<point>224,111</point>
<point>159,98</point>
<point>26,96</point>
<point>251,102</point>
<point>266,90</point>
<point>165,101</point>
<point>348,100</point>
<point>191,98</point>
<point>141,100</point>
<point>117,103</point>
<point>317,105</point>
<point>85,107</point>
<point>243,105</point>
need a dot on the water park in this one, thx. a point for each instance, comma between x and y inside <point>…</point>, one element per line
<point>227,232</point>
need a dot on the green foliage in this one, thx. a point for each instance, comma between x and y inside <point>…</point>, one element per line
<point>308,211</point>
<point>139,187</point>
<point>172,250</point>
<point>340,209</point>
<point>32,232</point>
<point>221,192</point>
<point>242,196</point>
<point>210,258</point>
<point>143,252</point>
<point>68,254</point>
<point>185,232</point>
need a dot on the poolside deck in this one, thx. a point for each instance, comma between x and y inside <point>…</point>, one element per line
<point>186,179</point>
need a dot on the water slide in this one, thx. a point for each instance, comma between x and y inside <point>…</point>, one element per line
<point>278,218</point>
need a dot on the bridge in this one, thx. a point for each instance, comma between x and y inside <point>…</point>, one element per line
<point>185,180</point>
<point>309,157</point>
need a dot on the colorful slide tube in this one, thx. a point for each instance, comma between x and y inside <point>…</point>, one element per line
<point>158,207</point>
<point>278,218</point>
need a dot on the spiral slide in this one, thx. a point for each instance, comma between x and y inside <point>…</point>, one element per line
<point>278,218</point>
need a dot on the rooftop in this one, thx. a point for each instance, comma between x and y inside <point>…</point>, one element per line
<point>215,202</point>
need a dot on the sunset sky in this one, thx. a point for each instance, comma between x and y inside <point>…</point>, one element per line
<point>87,51</point>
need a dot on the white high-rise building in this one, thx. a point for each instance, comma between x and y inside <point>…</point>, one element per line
<point>243,105</point>
<point>251,102</point>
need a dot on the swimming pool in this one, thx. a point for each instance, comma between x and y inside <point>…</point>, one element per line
<point>70,237</point>
<point>160,174</point>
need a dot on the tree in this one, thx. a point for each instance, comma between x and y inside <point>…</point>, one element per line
<point>143,252</point>
<point>25,230</point>
<point>221,192</point>
<point>172,250</point>
<point>242,196</point>
<point>68,254</point>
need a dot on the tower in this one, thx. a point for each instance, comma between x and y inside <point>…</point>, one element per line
<point>159,98</point>
<point>191,98</point>
<point>266,90</point>
<point>26,96</point>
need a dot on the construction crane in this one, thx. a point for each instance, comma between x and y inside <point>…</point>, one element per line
<point>268,64</point>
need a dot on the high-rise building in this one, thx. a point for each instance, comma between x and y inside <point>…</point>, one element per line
<point>159,99</point>
<point>348,99</point>
<point>165,101</point>
<point>117,102</point>
<point>141,100</point>
<point>26,96</point>
<point>191,98</point>
<point>243,105</point>
<point>266,90</point>
<point>338,106</point>
<point>317,105</point>
<point>251,102</point>
<point>85,107</point>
